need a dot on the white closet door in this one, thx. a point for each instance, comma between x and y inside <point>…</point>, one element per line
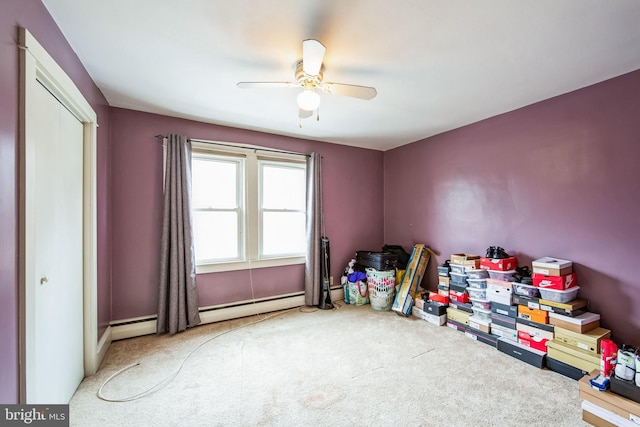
<point>57,366</point>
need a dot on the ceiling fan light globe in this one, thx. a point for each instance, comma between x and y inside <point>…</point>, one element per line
<point>308,100</point>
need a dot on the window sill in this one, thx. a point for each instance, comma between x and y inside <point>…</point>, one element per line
<point>246,265</point>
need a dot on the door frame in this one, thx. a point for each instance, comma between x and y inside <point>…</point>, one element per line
<point>38,67</point>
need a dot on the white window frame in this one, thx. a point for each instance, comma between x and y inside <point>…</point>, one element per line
<point>252,155</point>
<point>240,201</point>
<point>260,211</point>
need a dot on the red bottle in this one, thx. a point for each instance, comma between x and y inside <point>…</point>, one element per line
<point>609,355</point>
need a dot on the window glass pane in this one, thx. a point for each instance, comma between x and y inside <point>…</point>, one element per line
<point>283,233</point>
<point>214,183</point>
<point>216,235</point>
<point>283,187</point>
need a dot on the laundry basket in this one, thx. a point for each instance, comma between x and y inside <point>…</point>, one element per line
<point>382,287</point>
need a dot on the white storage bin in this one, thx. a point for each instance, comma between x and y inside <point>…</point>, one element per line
<point>526,290</point>
<point>477,283</point>
<point>477,293</point>
<point>485,304</point>
<point>458,277</point>
<point>558,295</point>
<point>455,268</point>
<point>481,313</point>
<point>478,274</point>
<point>501,275</point>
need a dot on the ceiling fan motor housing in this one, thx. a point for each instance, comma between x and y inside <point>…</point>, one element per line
<point>305,80</point>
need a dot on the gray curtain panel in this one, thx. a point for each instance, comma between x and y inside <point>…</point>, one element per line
<point>315,231</point>
<point>178,295</point>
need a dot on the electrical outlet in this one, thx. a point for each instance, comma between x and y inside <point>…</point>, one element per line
<point>330,280</point>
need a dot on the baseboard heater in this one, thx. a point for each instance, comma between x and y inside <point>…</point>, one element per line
<point>139,326</point>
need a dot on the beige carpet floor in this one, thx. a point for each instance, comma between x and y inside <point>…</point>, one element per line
<point>347,367</point>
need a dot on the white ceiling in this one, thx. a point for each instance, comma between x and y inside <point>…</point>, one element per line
<point>436,64</point>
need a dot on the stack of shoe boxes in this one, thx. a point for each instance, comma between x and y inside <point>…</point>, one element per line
<point>574,347</point>
<point>431,311</point>
<point>504,309</point>
<point>432,306</point>
<point>460,310</point>
<point>499,292</point>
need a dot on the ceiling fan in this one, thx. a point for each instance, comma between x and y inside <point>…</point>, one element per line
<point>309,76</point>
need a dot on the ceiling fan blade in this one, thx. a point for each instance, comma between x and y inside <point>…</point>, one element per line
<point>303,114</point>
<point>260,85</point>
<point>312,55</point>
<point>354,91</point>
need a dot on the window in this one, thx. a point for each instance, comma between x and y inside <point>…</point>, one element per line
<point>249,208</point>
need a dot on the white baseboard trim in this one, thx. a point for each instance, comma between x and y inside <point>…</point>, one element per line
<point>139,326</point>
<point>103,345</point>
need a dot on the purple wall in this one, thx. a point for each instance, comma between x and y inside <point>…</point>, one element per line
<point>351,175</point>
<point>557,178</point>
<point>33,15</point>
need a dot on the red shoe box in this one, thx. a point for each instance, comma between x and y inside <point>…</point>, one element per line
<point>554,282</point>
<point>434,296</point>
<point>461,297</point>
<point>503,264</point>
<point>533,342</point>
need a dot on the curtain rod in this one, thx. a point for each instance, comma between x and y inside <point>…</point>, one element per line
<point>241,146</point>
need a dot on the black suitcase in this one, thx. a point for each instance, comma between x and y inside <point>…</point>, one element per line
<point>377,260</point>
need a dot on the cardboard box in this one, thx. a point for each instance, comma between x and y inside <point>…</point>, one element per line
<point>555,282</point>
<point>505,310</point>
<point>499,291</point>
<point>572,308</point>
<point>460,327</point>
<point>600,417</point>
<point>461,306</point>
<point>530,302</point>
<point>588,341</point>
<point>482,337</point>
<point>458,287</point>
<point>465,259</point>
<point>505,321</point>
<point>443,281</point>
<point>573,356</point>
<point>503,332</point>
<point>565,369</point>
<point>458,315</point>
<point>580,324</point>
<point>434,308</point>
<point>435,320</point>
<point>443,290</point>
<point>429,318</point>
<point>407,290</point>
<point>479,324</point>
<point>418,303</point>
<point>534,342</point>
<point>627,389</point>
<point>627,409</point>
<point>550,266</point>
<point>542,326</point>
<point>533,314</point>
<point>503,264</point>
<point>458,296</point>
<point>534,332</point>
<point>527,354</point>
<point>441,299</point>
